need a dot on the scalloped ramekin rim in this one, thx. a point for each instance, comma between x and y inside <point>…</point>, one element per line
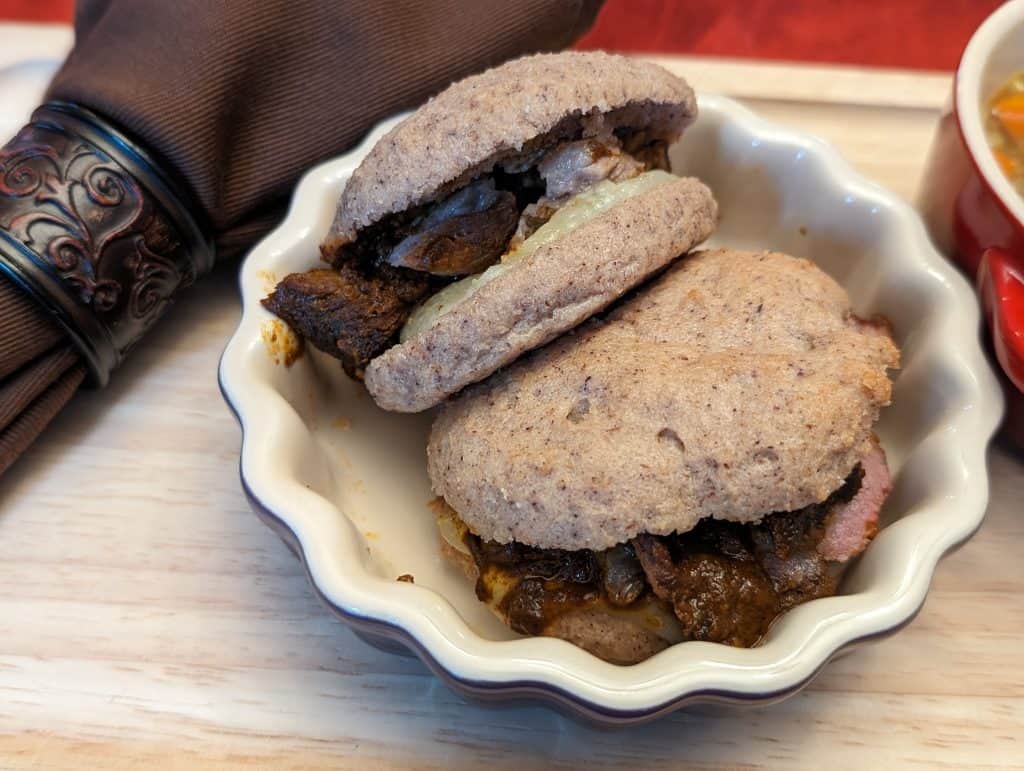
<point>552,669</point>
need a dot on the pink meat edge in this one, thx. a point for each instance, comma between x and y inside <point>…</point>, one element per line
<point>853,524</point>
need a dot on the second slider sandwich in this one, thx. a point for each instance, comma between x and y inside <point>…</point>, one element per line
<point>502,213</point>
<point>687,467</point>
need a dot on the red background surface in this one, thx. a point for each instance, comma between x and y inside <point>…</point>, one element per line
<point>925,34</point>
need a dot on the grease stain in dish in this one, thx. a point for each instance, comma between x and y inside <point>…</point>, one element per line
<point>343,460</point>
<point>269,280</point>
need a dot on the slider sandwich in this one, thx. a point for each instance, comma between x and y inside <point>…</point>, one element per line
<point>687,467</point>
<point>500,214</point>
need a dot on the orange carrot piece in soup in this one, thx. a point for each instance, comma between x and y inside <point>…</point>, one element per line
<point>1009,111</point>
<point>1009,164</point>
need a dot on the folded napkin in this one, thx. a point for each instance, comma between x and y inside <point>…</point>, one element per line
<point>174,133</point>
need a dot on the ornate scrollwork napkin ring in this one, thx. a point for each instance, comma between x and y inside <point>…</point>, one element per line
<point>95,231</point>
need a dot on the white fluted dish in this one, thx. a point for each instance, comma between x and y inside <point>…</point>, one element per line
<point>345,483</point>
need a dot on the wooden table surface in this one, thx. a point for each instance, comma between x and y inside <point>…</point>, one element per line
<point>148,619</point>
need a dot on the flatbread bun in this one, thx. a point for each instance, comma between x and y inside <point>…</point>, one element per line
<point>543,295</point>
<point>735,385</point>
<point>501,114</point>
<point>612,638</point>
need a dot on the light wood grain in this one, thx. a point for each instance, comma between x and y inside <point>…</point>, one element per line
<point>149,620</point>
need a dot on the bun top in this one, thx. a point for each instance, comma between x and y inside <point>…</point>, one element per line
<point>495,116</point>
<point>736,385</point>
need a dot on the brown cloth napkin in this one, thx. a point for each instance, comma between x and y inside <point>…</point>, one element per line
<point>236,100</point>
<point>39,370</point>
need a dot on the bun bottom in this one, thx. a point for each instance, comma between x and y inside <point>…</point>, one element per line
<point>611,638</point>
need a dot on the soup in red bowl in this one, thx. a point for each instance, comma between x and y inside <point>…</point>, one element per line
<point>972,193</point>
<point>1004,129</point>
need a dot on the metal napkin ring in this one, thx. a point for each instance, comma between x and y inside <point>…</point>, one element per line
<point>95,231</point>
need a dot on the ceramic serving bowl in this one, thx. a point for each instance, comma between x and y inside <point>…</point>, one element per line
<point>345,483</point>
<point>972,210</point>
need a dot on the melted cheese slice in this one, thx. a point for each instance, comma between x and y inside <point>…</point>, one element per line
<point>579,210</point>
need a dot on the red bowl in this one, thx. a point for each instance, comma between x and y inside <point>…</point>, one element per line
<point>970,207</point>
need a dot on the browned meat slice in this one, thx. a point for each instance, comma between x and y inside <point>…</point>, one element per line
<point>533,216</point>
<point>796,574</point>
<point>569,168</point>
<point>653,156</point>
<point>716,597</point>
<point>533,604</point>
<point>577,566</point>
<point>653,153</point>
<point>727,582</point>
<point>623,577</point>
<point>800,577</point>
<point>462,234</point>
<point>548,582</point>
<point>659,567</point>
<point>786,546</point>
<point>797,550</point>
<point>351,313</point>
<point>851,525</point>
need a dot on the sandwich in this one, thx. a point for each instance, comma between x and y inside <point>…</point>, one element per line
<point>686,466</point>
<point>503,212</point>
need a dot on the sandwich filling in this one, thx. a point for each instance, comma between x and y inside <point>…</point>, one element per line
<point>402,273</point>
<point>720,582</point>
<point>576,211</point>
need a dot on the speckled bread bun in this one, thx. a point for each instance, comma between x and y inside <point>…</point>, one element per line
<point>612,638</point>
<point>737,384</point>
<point>501,113</point>
<point>543,295</point>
